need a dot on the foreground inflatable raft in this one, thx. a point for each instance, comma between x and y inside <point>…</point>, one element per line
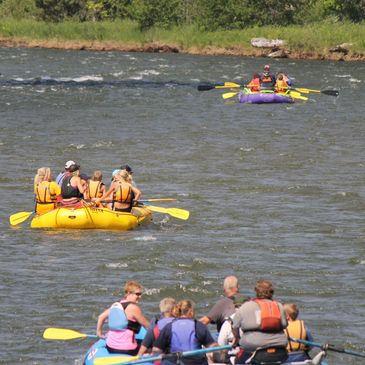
<point>249,97</point>
<point>92,218</point>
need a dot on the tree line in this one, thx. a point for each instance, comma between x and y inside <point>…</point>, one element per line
<point>209,15</point>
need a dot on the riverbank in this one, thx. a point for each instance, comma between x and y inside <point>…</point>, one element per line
<point>299,42</point>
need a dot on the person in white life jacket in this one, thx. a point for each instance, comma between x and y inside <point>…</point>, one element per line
<point>125,319</point>
<point>184,333</point>
<point>262,321</point>
<point>297,329</point>
<point>157,324</point>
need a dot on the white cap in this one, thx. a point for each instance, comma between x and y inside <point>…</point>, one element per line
<point>68,164</point>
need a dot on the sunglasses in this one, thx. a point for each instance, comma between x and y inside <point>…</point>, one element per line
<point>138,294</point>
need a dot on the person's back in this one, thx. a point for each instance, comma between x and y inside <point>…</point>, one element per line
<point>62,174</point>
<point>262,321</point>
<point>96,185</point>
<point>296,329</point>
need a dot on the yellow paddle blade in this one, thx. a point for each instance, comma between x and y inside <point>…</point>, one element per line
<point>160,200</point>
<point>296,95</point>
<point>62,334</point>
<point>231,84</point>
<point>114,360</point>
<point>174,212</point>
<point>18,218</point>
<point>229,95</point>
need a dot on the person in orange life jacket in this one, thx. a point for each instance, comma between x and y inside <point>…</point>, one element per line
<point>225,306</point>
<point>46,191</point>
<point>184,333</point>
<point>125,319</point>
<point>62,174</point>
<point>73,187</point>
<point>267,79</point>
<point>254,84</point>
<point>262,321</point>
<point>285,78</point>
<point>122,192</point>
<point>297,329</point>
<point>281,85</point>
<point>157,324</point>
<point>96,188</point>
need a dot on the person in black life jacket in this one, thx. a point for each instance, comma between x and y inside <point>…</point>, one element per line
<point>296,329</point>
<point>267,79</point>
<point>73,187</point>
<point>157,324</point>
<point>184,333</point>
<point>262,321</point>
<point>225,306</point>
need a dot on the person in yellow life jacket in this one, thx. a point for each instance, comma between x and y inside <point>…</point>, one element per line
<point>267,79</point>
<point>254,84</point>
<point>96,188</point>
<point>261,321</point>
<point>281,85</point>
<point>46,191</point>
<point>122,192</point>
<point>296,329</point>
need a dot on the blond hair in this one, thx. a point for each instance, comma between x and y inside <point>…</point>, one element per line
<point>167,305</point>
<point>43,174</point>
<point>132,287</point>
<point>97,176</point>
<point>125,176</point>
<point>291,310</point>
<point>183,308</point>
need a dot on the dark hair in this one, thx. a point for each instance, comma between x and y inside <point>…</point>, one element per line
<point>74,168</point>
<point>264,289</point>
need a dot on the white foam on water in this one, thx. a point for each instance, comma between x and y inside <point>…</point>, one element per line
<point>145,238</point>
<point>354,80</point>
<point>116,265</point>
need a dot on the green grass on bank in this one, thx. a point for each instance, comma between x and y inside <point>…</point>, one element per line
<point>312,38</point>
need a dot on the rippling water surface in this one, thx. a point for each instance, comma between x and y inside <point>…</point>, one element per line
<point>274,191</point>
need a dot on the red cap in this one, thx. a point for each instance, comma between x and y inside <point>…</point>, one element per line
<point>267,67</point>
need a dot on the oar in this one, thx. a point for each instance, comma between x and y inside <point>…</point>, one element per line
<point>64,334</point>
<point>296,95</point>
<point>229,85</point>
<point>329,347</point>
<point>156,200</point>
<point>229,95</point>
<point>123,360</point>
<point>174,212</point>
<point>19,217</point>
<point>327,92</point>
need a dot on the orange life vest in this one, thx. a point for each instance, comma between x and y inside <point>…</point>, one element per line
<point>95,189</point>
<point>270,315</point>
<point>45,193</point>
<point>266,78</point>
<point>296,329</point>
<point>123,194</point>
<point>254,84</point>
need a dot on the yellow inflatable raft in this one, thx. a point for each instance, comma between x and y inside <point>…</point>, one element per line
<point>92,218</point>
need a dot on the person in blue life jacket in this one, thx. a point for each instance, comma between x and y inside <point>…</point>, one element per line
<point>157,324</point>
<point>267,79</point>
<point>184,333</point>
<point>297,329</point>
<point>62,174</point>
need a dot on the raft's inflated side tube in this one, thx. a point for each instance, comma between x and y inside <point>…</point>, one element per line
<point>264,98</point>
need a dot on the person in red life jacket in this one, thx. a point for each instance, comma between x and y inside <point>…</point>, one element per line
<point>184,333</point>
<point>125,319</point>
<point>225,306</point>
<point>262,321</point>
<point>157,324</point>
<point>281,85</point>
<point>267,79</point>
<point>296,329</point>
<point>46,191</point>
<point>254,84</point>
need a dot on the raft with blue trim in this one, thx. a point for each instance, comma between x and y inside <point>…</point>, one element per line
<point>92,218</point>
<point>268,97</point>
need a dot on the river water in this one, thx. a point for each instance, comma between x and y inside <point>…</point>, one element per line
<point>274,191</point>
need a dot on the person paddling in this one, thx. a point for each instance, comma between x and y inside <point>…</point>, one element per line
<point>184,333</point>
<point>267,79</point>
<point>46,191</point>
<point>125,319</point>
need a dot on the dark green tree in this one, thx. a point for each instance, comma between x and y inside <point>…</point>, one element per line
<point>58,10</point>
